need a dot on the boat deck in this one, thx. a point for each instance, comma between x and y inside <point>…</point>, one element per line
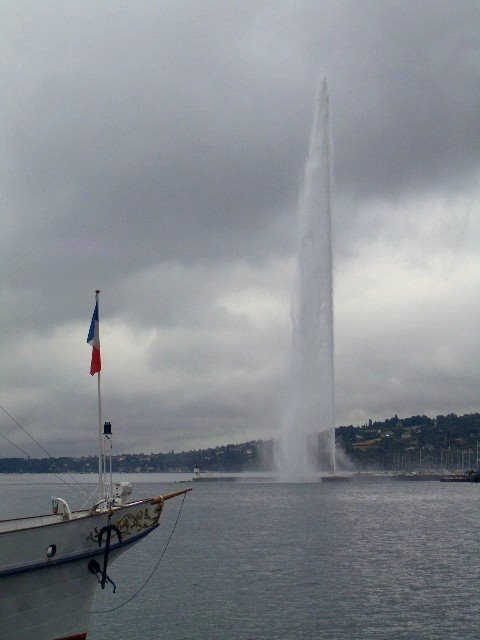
<point>31,522</point>
<point>38,521</point>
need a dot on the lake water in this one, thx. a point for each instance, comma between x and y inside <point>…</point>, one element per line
<point>354,561</point>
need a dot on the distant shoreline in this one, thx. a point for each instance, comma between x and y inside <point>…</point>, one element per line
<point>419,444</point>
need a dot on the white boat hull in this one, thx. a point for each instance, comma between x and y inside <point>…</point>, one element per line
<point>47,604</point>
<point>49,598</point>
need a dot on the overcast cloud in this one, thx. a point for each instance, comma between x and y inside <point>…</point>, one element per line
<point>154,150</point>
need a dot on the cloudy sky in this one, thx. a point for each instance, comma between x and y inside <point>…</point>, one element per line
<point>155,150</point>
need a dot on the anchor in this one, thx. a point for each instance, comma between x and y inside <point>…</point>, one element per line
<point>93,565</point>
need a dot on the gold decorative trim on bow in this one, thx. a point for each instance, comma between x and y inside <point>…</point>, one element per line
<point>133,522</point>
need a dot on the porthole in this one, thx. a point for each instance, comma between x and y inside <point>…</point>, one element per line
<point>51,551</point>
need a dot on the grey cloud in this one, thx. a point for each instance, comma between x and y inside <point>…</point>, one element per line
<point>151,149</point>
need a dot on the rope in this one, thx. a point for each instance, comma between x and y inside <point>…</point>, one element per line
<point>16,446</point>
<point>84,493</point>
<point>89,498</point>
<point>154,568</point>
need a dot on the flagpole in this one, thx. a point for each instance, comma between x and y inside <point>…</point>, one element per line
<point>100,443</point>
<point>101,490</point>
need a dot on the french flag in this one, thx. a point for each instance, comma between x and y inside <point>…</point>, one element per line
<point>94,340</point>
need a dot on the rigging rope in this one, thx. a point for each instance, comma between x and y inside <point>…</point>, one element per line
<point>15,445</point>
<point>89,498</point>
<point>81,490</point>
<point>154,568</point>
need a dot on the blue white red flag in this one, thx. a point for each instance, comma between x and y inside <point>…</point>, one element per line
<point>94,340</point>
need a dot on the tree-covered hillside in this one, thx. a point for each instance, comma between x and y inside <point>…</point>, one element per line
<point>418,442</point>
<point>414,443</point>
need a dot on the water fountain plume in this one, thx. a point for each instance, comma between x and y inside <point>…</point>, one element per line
<point>311,390</point>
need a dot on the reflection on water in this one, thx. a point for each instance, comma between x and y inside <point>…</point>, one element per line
<point>271,561</point>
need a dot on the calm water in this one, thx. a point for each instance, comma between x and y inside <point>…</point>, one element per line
<point>354,561</point>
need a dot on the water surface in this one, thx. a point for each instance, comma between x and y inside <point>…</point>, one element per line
<point>354,561</point>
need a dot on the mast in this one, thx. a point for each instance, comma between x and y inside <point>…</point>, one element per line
<point>93,339</point>
<point>107,435</point>
<point>101,452</point>
<point>101,490</point>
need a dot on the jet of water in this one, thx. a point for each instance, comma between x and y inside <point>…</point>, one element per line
<point>310,407</point>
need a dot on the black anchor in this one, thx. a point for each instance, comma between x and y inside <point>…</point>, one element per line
<point>108,530</point>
